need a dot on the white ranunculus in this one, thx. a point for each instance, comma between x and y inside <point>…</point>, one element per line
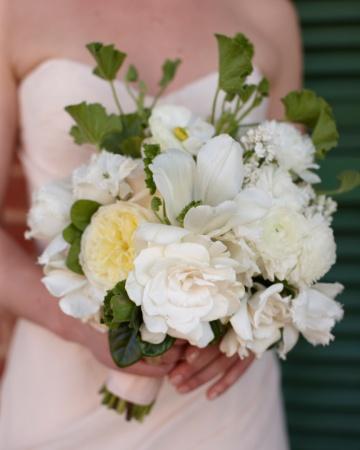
<point>315,312</point>
<point>176,127</point>
<point>278,182</point>
<point>50,210</point>
<point>103,179</point>
<point>318,252</point>
<point>77,297</point>
<point>261,317</point>
<point>215,180</point>
<point>183,285</point>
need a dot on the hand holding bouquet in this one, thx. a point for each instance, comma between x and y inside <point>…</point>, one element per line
<point>208,230</point>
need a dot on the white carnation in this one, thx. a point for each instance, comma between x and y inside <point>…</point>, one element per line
<point>103,179</point>
<point>183,284</point>
<point>50,210</point>
<point>315,312</point>
<point>318,252</point>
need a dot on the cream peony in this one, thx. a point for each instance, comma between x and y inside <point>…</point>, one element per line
<point>315,312</point>
<point>176,127</point>
<point>50,210</point>
<point>107,245</point>
<point>183,284</point>
<point>103,179</point>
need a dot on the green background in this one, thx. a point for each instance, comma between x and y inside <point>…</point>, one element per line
<point>322,385</point>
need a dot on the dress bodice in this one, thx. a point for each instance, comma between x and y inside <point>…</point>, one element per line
<point>48,151</point>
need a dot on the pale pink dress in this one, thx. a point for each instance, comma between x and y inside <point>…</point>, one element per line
<point>49,398</point>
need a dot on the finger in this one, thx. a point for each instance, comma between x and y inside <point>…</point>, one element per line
<point>172,356</point>
<point>181,342</point>
<point>144,369</point>
<point>185,370</point>
<point>230,377</point>
<point>216,368</point>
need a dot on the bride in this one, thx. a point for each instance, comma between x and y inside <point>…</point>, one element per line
<point>49,396</point>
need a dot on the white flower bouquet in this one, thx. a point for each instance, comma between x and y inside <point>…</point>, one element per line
<point>204,229</point>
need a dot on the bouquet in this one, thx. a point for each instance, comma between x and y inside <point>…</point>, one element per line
<point>205,229</point>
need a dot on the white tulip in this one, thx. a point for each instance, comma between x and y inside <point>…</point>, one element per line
<point>176,127</point>
<point>50,210</point>
<point>315,312</point>
<point>103,179</point>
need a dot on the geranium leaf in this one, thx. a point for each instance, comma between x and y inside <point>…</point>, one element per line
<point>92,123</point>
<point>307,108</point>
<point>169,69</point>
<point>150,152</point>
<point>108,60</point>
<point>71,233</point>
<point>349,180</point>
<point>82,211</point>
<point>132,74</point>
<point>235,62</point>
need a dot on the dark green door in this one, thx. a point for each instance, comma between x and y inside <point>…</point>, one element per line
<point>322,385</point>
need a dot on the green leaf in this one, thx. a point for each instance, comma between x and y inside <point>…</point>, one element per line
<point>122,308</point>
<point>128,140</point>
<point>72,259</point>
<point>156,204</point>
<point>124,345</point>
<point>247,91</point>
<point>150,153</point>
<point>71,233</point>
<point>92,123</point>
<point>235,62</point>
<point>132,74</point>
<point>169,69</point>
<point>349,180</point>
<point>152,350</point>
<point>307,108</point>
<point>180,218</point>
<point>218,329</point>
<point>82,211</point>
<point>108,60</point>
<point>263,87</point>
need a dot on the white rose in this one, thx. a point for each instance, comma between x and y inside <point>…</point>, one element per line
<point>103,179</point>
<point>50,210</point>
<point>318,252</point>
<point>261,317</point>
<point>183,284</point>
<point>315,312</point>
<point>107,245</point>
<point>176,127</point>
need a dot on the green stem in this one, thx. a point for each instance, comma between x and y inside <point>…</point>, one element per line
<point>213,109</point>
<point>157,96</point>
<point>246,112</point>
<point>116,98</point>
<point>131,94</point>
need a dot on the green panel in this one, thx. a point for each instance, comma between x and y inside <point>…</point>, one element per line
<point>322,385</point>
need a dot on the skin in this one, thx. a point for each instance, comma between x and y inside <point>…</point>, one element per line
<point>36,30</point>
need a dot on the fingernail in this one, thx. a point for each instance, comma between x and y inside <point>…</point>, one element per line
<point>213,395</point>
<point>191,358</point>
<point>183,389</point>
<point>176,379</point>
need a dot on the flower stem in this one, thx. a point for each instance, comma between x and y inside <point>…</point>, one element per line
<point>116,98</point>
<point>213,109</point>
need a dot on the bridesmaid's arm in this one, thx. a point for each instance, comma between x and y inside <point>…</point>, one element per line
<point>22,292</point>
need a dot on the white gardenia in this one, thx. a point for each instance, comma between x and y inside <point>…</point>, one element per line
<point>176,127</point>
<point>50,210</point>
<point>315,312</point>
<point>259,321</point>
<point>103,179</point>
<point>282,141</point>
<point>182,283</point>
